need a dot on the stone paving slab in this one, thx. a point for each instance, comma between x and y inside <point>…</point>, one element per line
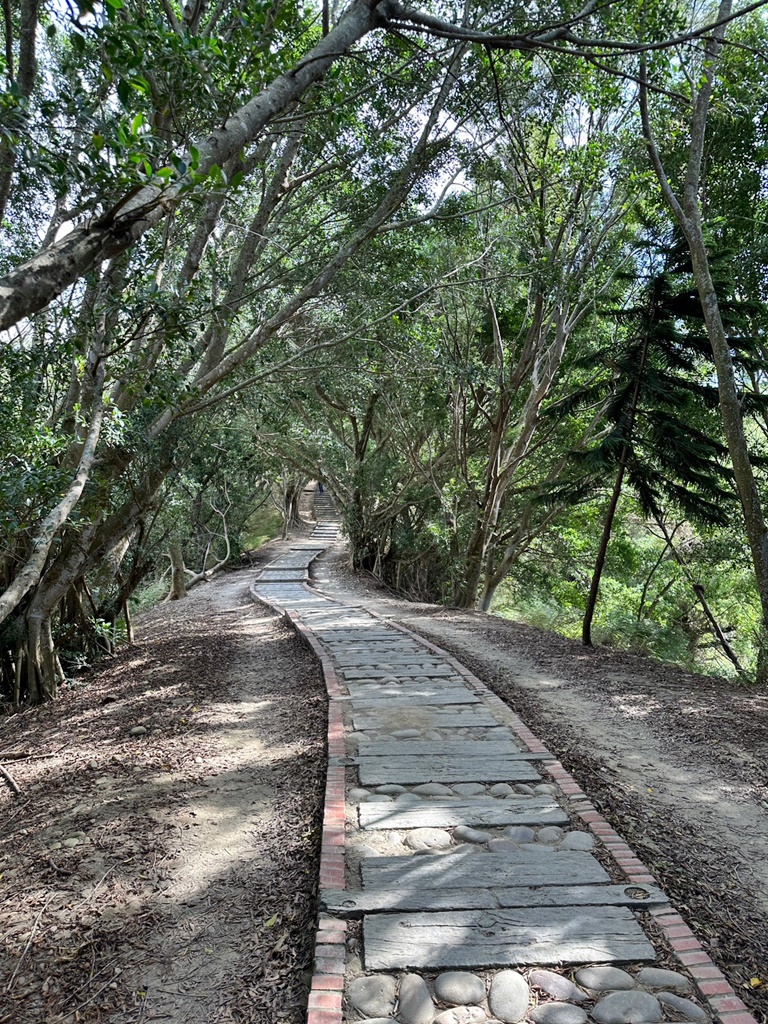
<point>462,747</point>
<point>483,939</point>
<point>377,771</point>
<point>348,903</point>
<point>470,717</point>
<point>478,869</point>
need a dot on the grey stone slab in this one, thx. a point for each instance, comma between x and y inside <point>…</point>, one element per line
<point>467,869</point>
<point>271,582</point>
<point>448,768</point>
<point>386,645</point>
<point>381,689</point>
<point>354,903</point>
<point>455,748</point>
<point>471,716</point>
<point>485,939</point>
<point>418,696</point>
<point>436,813</point>
<point>580,896</point>
<point>290,575</point>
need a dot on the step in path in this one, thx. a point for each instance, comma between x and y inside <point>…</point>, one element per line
<point>465,877</point>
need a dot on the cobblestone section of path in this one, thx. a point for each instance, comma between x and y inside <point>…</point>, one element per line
<point>465,877</point>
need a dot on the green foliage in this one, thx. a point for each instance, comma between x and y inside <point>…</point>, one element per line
<point>647,603</point>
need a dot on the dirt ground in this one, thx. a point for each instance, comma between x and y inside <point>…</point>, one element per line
<point>678,763</point>
<point>168,876</point>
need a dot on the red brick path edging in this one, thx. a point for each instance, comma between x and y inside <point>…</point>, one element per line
<point>326,991</point>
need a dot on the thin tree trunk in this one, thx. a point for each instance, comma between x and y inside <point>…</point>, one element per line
<point>597,572</point>
<point>29,575</point>
<point>698,590</point>
<point>594,588</point>
<point>24,81</point>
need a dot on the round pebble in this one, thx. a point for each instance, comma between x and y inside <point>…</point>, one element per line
<point>520,834</point>
<point>550,834</point>
<point>433,789</point>
<point>509,996</point>
<point>460,1015</point>
<point>557,986</point>
<point>427,839</point>
<point>374,996</point>
<point>465,834</point>
<point>408,799</point>
<point>378,798</point>
<point>546,787</point>
<point>523,787</point>
<point>356,795</point>
<point>468,788</point>
<point>406,734</point>
<point>558,1013</point>
<point>139,730</point>
<point>578,841</point>
<point>459,987</point>
<point>636,1007</point>
<point>501,789</point>
<point>367,851</point>
<point>416,1006</point>
<point>685,1007</point>
<point>391,789</point>
<point>602,979</point>
<point>657,977</point>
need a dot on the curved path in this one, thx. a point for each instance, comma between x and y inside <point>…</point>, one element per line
<point>462,869</point>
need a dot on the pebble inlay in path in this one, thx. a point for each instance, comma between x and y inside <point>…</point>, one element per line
<point>454,887</point>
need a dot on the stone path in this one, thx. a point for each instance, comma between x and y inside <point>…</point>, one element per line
<point>458,854</point>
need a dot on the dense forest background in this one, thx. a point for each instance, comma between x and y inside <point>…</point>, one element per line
<point>496,273</point>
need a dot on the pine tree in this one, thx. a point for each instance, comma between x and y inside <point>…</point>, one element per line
<point>655,409</point>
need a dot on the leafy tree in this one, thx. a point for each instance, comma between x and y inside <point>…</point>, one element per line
<point>656,431</point>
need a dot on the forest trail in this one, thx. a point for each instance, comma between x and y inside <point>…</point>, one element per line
<point>420,702</point>
<point>149,916</point>
<point>677,762</point>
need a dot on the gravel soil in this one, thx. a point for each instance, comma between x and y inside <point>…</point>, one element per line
<point>168,876</point>
<point>678,763</point>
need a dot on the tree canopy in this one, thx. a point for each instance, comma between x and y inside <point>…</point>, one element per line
<point>250,243</point>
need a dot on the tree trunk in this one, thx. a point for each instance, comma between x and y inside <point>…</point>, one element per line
<point>24,81</point>
<point>178,581</point>
<point>597,572</point>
